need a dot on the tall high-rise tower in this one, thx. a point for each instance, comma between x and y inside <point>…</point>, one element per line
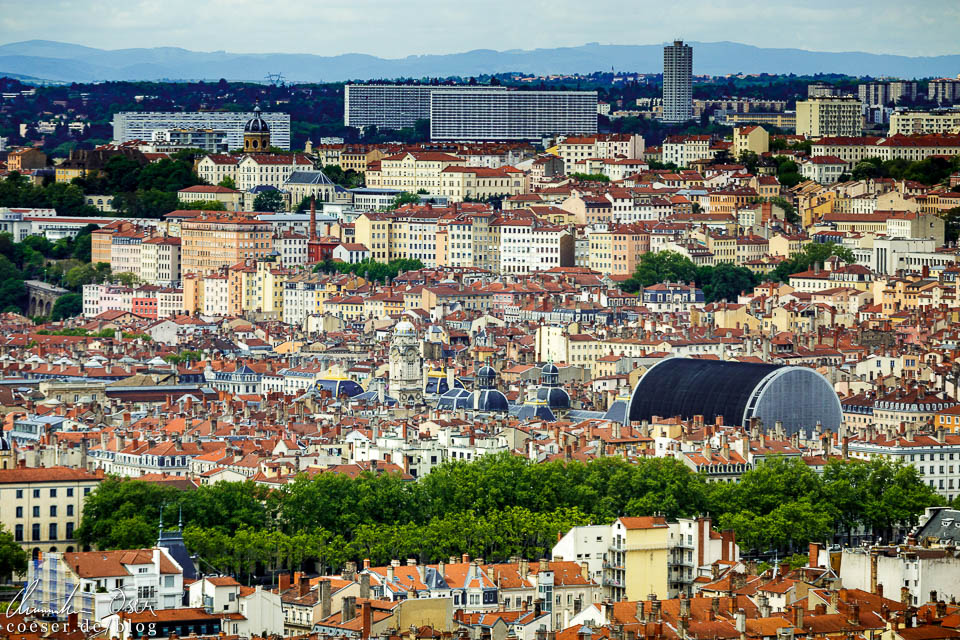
<point>677,82</point>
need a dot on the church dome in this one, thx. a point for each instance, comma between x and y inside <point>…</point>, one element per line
<point>256,124</point>
<point>437,383</point>
<point>550,375</point>
<point>486,377</point>
<point>553,397</point>
<point>404,328</point>
<point>338,384</point>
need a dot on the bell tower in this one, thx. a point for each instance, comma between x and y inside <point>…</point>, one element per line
<point>406,381</point>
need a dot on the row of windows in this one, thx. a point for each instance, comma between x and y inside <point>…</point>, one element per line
<point>52,492</point>
<point>53,510</point>
<point>18,532</point>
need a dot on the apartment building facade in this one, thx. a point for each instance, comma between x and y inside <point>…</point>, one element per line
<point>829,116</point>
<point>392,106</point>
<point>160,261</point>
<point>677,82</point>
<point>460,183</point>
<point>501,114</point>
<point>412,171</point>
<point>610,146</point>
<point>211,241</point>
<point>42,507</point>
<point>684,150</point>
<point>140,125</point>
<point>909,123</point>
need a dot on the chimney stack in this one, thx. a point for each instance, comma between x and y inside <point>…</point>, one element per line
<point>348,610</point>
<point>365,585</point>
<point>853,614</point>
<point>366,618</point>
<point>325,603</point>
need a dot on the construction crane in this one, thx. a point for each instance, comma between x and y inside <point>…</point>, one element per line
<point>276,79</point>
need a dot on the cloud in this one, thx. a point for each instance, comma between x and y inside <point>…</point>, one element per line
<point>413,27</point>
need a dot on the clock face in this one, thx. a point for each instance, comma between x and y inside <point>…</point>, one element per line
<point>410,354</point>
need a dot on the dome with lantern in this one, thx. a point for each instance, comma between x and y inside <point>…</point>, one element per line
<point>256,124</point>
<point>404,328</point>
<point>550,393</point>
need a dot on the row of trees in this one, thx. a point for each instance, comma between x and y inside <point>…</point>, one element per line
<point>725,281</point>
<point>811,255</point>
<point>144,191</point>
<point>929,171</point>
<point>16,190</point>
<point>370,269</point>
<point>139,192</point>
<point>590,177</point>
<point>497,507</point>
<point>722,282</point>
<point>500,534</point>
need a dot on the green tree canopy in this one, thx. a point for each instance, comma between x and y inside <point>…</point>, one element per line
<point>270,200</point>
<point>403,198</point>
<point>13,559</point>
<point>203,205</point>
<point>725,281</point>
<point>591,177</point>
<point>664,266</point>
<point>722,282</point>
<point>67,306</point>
<point>788,173</point>
<point>813,254</point>
<point>497,506</point>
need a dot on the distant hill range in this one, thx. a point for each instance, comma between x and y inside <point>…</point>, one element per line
<point>58,61</point>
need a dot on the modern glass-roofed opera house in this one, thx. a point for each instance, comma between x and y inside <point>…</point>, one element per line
<point>797,396</point>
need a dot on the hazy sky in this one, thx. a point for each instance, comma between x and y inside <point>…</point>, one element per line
<point>397,28</point>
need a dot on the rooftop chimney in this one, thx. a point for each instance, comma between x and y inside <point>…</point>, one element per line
<point>348,610</point>
<point>365,585</point>
<point>366,618</point>
<point>325,603</point>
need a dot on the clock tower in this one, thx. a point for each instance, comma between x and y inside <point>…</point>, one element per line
<point>406,369</point>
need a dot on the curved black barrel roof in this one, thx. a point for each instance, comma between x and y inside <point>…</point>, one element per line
<point>687,387</point>
<point>797,397</point>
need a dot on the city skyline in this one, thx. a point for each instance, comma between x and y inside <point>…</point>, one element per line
<point>398,31</point>
<point>497,330</point>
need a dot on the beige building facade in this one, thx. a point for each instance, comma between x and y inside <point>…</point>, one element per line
<point>211,241</point>
<point>829,116</point>
<point>42,507</point>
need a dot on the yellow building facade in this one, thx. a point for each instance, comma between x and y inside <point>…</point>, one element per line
<point>645,559</point>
